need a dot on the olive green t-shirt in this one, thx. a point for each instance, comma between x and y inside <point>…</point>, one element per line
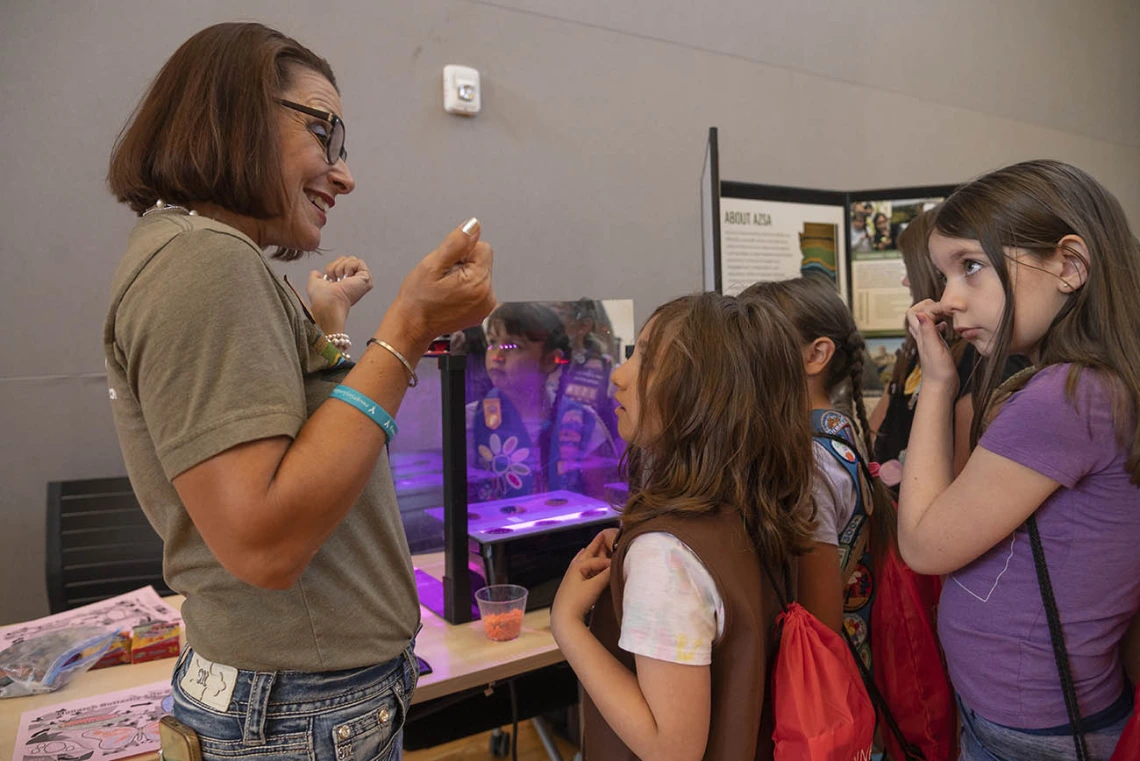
<point>207,349</point>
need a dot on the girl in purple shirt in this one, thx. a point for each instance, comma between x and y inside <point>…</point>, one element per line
<point>1038,259</point>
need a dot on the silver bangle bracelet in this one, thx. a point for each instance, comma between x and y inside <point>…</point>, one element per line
<point>403,360</point>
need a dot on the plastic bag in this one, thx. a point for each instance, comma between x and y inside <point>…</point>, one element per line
<point>46,663</point>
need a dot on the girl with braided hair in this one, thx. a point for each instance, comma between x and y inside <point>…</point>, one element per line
<point>834,579</point>
<point>852,578</point>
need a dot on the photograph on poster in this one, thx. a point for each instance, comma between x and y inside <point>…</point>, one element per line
<point>879,364</point>
<point>880,299</point>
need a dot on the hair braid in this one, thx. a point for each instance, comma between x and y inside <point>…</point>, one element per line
<point>818,312</point>
<point>856,349</point>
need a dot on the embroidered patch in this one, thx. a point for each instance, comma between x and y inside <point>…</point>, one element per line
<point>843,451</point>
<point>854,526</point>
<point>856,629</point>
<point>492,413</point>
<point>209,683</point>
<point>859,589</point>
<point>868,497</point>
<point>858,632</point>
<point>832,422</point>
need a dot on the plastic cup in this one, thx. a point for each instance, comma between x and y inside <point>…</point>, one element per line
<point>501,608</point>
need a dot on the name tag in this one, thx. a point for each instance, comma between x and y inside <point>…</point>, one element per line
<point>209,683</point>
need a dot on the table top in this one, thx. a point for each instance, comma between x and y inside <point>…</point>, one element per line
<point>461,658</point>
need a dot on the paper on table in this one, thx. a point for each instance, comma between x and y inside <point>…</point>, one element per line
<point>104,727</point>
<point>125,612</point>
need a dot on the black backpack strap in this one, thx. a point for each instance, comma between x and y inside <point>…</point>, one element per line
<point>783,594</point>
<point>864,468</point>
<point>910,751</point>
<point>1060,652</point>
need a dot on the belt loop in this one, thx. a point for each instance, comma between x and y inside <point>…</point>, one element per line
<point>181,659</point>
<point>253,733</point>
<point>413,667</point>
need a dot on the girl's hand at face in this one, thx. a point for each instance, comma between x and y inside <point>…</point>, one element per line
<point>928,321</point>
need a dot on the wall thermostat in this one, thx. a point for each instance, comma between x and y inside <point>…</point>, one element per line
<point>461,92</point>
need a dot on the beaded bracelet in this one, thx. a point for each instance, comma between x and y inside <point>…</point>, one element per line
<point>339,340</point>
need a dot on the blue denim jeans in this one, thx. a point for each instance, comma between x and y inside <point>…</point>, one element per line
<point>355,715</point>
<point>983,740</point>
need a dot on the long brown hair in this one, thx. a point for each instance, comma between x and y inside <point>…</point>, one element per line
<point>729,402</point>
<point>1031,206</point>
<point>925,283</point>
<point>206,129</point>
<point>817,311</point>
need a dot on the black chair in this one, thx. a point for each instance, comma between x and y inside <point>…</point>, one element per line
<point>99,543</point>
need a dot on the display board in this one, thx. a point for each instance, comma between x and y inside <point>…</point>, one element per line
<point>757,233</point>
<point>775,233</point>
<point>876,218</point>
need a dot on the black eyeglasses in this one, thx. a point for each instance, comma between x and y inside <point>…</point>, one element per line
<point>334,140</point>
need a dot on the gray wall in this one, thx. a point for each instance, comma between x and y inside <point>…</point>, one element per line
<point>584,165</point>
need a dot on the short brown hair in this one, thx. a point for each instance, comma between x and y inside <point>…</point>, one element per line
<point>204,131</point>
<point>730,396</point>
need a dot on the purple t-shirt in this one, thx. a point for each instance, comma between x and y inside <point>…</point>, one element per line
<point>991,619</point>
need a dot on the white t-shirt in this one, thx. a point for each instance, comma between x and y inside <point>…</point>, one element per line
<point>834,492</point>
<point>671,609</point>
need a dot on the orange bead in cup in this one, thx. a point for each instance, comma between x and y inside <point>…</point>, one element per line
<point>501,608</point>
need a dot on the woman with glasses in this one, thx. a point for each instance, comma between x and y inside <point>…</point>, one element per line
<point>253,442</point>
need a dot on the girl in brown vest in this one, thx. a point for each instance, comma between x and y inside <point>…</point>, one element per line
<point>714,408</point>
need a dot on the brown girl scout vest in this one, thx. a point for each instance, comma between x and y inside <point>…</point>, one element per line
<point>741,722</point>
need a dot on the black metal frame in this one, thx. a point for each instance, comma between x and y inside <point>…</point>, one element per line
<point>716,190</point>
<point>456,578</point>
<point>335,122</point>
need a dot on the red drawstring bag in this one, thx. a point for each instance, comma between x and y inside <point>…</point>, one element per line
<point>907,660</point>
<point>1128,746</point>
<point>821,709</point>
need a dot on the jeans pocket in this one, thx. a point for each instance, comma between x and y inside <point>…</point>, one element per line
<point>371,731</point>
<point>220,735</point>
<point>206,721</point>
<point>294,747</point>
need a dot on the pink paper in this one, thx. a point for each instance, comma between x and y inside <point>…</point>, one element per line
<point>109,727</point>
<point>122,613</point>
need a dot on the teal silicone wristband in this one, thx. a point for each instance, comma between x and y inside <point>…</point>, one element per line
<point>379,415</point>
